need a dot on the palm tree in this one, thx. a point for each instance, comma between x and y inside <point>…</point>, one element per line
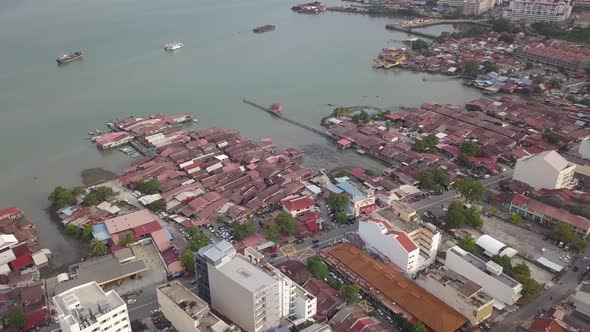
<point>126,240</point>
<point>97,248</point>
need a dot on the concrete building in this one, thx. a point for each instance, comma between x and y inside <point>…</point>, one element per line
<point>461,294</point>
<point>409,246</point>
<point>477,7</point>
<point>451,3</point>
<point>583,20</point>
<point>390,291</point>
<point>186,311</point>
<point>252,293</point>
<point>538,10</point>
<point>548,215</point>
<point>488,275</point>
<point>404,211</point>
<point>582,299</point>
<point>546,170</point>
<point>317,328</point>
<point>584,149</point>
<point>558,54</point>
<point>87,308</point>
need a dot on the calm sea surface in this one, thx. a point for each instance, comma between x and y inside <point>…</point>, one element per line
<point>308,62</point>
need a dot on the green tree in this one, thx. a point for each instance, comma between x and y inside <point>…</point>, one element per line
<point>420,44</point>
<point>157,206</point>
<point>580,245</point>
<point>456,216</point>
<point>470,149</point>
<point>87,233</point>
<point>471,68</point>
<point>16,319</point>
<point>90,199</point>
<point>61,197</point>
<point>196,239</point>
<point>502,25</point>
<point>585,101</point>
<point>243,229</point>
<point>431,3</point>
<point>467,243</point>
<point>427,181</point>
<point>555,82</point>
<point>102,193</point>
<point>286,223</point>
<point>78,190</point>
<point>370,172</point>
<point>521,271</point>
<point>362,117</point>
<point>473,218</point>
<point>515,218</point>
<point>317,267</point>
<point>530,289</point>
<point>441,176</point>
<point>504,262</point>
<point>342,217</point>
<point>188,261</point>
<point>126,240</point>
<point>337,202</point>
<point>419,327</point>
<point>148,187</point>
<point>550,138</point>
<point>507,38</point>
<point>74,230</point>
<point>339,112</point>
<point>337,285</point>
<point>570,98</point>
<point>489,66</point>
<point>431,141</point>
<point>97,248</point>
<point>351,293</point>
<point>563,232</point>
<point>471,189</point>
<point>419,146</point>
<point>272,232</point>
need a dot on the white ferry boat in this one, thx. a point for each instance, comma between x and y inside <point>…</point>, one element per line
<point>173,46</point>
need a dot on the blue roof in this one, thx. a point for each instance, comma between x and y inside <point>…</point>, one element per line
<point>331,187</point>
<point>350,189</point>
<point>99,231</point>
<point>168,234</point>
<point>282,329</point>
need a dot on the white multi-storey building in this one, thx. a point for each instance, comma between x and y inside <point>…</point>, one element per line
<point>477,7</point>
<point>546,169</point>
<point>538,10</point>
<point>488,275</point>
<point>253,294</point>
<point>87,308</point>
<point>410,247</point>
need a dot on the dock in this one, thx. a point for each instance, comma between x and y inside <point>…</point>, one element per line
<point>291,121</point>
<point>409,28</point>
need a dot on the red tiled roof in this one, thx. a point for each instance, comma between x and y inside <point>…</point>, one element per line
<point>358,172</point>
<point>404,240</point>
<point>21,250</point>
<point>393,117</point>
<point>552,212</point>
<point>452,150</point>
<point>21,262</point>
<point>143,230</point>
<point>35,319</point>
<point>362,323</point>
<point>9,211</point>
<point>312,225</point>
<point>299,203</point>
<point>546,325</point>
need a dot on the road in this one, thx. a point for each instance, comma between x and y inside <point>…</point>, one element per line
<point>451,194</point>
<point>563,288</point>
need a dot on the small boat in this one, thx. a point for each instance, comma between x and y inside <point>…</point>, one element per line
<point>195,120</point>
<point>68,57</point>
<point>264,28</point>
<point>90,132</point>
<point>97,131</point>
<point>173,46</point>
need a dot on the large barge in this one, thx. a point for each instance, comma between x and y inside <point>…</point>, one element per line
<point>310,8</point>
<point>264,28</point>
<point>69,57</point>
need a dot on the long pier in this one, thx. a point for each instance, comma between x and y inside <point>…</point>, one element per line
<point>291,121</point>
<point>410,27</point>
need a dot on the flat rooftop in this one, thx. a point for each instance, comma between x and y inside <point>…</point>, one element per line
<point>83,304</point>
<point>467,288</point>
<point>481,265</point>
<point>191,304</point>
<point>389,215</point>
<point>216,251</point>
<point>103,270</point>
<point>251,277</point>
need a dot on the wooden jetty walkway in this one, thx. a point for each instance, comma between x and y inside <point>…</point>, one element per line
<point>291,121</point>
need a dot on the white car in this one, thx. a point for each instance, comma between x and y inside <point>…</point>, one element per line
<point>131,301</point>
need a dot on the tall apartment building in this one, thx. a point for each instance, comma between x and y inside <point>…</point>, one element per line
<point>87,308</point>
<point>451,3</point>
<point>538,10</point>
<point>477,7</point>
<point>488,275</point>
<point>545,170</point>
<point>253,294</point>
<point>186,311</point>
<point>409,246</point>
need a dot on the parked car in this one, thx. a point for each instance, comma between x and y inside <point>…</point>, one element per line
<point>316,245</point>
<point>275,255</point>
<point>315,241</point>
<point>300,241</point>
<point>131,301</point>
